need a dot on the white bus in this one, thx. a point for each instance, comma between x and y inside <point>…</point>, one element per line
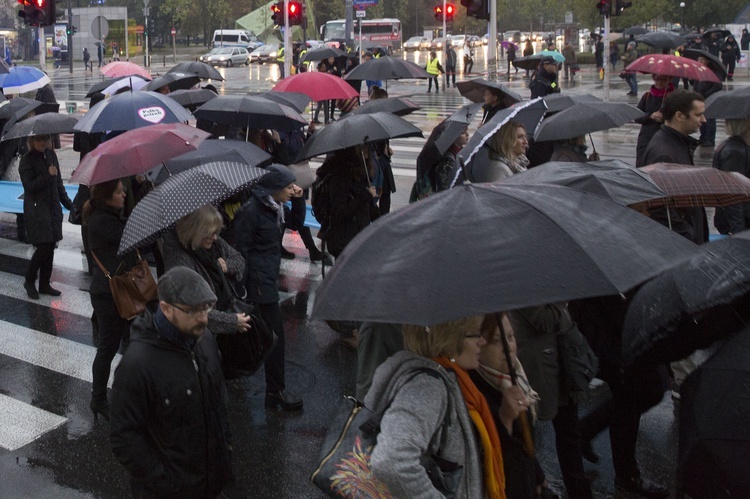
<point>375,32</point>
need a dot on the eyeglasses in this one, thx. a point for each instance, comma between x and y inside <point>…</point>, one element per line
<point>473,336</point>
<point>192,312</point>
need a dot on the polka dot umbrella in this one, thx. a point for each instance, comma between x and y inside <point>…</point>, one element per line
<point>672,65</point>
<point>181,194</point>
<point>131,110</point>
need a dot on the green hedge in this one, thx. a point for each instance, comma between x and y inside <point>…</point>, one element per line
<point>585,58</point>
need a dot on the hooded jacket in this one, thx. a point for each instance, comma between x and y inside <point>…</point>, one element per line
<point>169,425</point>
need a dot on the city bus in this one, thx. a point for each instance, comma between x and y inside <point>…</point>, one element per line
<point>376,32</point>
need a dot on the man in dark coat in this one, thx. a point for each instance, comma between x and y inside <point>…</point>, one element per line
<point>683,115</point>
<point>169,424</point>
<point>545,82</point>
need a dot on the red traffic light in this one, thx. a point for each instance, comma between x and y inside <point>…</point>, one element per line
<point>40,4</point>
<point>293,8</point>
<point>450,9</point>
<point>274,8</point>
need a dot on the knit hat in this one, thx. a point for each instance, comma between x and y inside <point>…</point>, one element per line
<point>547,60</point>
<point>184,286</point>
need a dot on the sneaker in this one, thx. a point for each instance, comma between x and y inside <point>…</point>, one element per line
<point>317,122</point>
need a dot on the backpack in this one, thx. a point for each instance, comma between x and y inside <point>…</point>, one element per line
<point>320,200</point>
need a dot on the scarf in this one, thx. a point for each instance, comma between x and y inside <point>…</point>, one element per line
<point>481,416</point>
<point>501,382</point>
<point>169,332</point>
<point>661,92</point>
<point>209,260</point>
<point>277,207</point>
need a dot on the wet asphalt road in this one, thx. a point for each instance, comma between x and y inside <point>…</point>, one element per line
<point>50,445</point>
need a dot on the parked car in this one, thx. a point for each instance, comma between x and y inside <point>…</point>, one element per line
<point>457,41</point>
<point>253,45</point>
<point>414,43</point>
<point>228,56</point>
<point>268,53</point>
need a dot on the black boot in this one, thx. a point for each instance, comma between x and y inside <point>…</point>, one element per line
<point>283,399</point>
<point>30,288</point>
<point>46,289</point>
<point>100,406</point>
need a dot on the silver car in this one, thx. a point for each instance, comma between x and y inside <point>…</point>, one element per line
<point>227,56</point>
<point>414,43</point>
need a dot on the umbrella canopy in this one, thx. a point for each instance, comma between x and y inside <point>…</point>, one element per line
<point>4,68</point>
<point>22,79</point>
<point>246,111</point>
<point>586,118</point>
<point>17,108</point>
<point>321,53</point>
<point>723,33</point>
<point>296,100</point>
<point>713,61</point>
<point>474,91</point>
<point>506,43</point>
<point>528,113</point>
<point>136,83</point>
<point>661,39</point>
<point>131,110</point>
<point>137,151</point>
<point>529,63</point>
<point>191,99</point>
<point>443,136</point>
<point>174,80</point>
<point>356,130</point>
<point>181,194</point>
<point>399,106</point>
<point>613,180</point>
<point>43,124</point>
<point>672,65</point>
<point>124,68</point>
<point>557,56</point>
<point>387,68</point>
<point>200,69</point>
<point>714,434</point>
<point>663,315</point>
<point>318,86</point>
<point>726,104</point>
<point>635,31</point>
<point>689,186</point>
<point>558,102</point>
<point>497,247</point>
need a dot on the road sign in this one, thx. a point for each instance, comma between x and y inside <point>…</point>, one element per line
<point>100,27</point>
<point>174,31</point>
<point>361,13</point>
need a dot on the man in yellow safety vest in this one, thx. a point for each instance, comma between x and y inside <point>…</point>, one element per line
<point>434,69</point>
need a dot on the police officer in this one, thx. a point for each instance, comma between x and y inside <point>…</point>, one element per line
<point>545,82</point>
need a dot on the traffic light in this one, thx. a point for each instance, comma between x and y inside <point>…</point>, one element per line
<point>37,12</point>
<point>450,11</point>
<point>277,15</point>
<point>479,9</point>
<point>621,5</point>
<point>295,13</point>
<point>604,6</point>
<point>439,13</point>
<point>71,30</point>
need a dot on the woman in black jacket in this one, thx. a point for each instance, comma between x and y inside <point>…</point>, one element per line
<point>651,103</point>
<point>259,227</point>
<point>103,217</point>
<point>733,155</point>
<point>43,193</point>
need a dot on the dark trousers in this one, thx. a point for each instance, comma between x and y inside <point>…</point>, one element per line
<point>87,249</point>
<point>41,263</point>
<point>429,85</point>
<point>274,367</point>
<point>708,131</point>
<point>113,331</point>
<point>730,67</point>
<point>450,72</point>
<point>568,443</point>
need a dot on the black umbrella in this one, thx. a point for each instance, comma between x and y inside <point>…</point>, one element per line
<point>296,100</point>
<point>400,106</point>
<point>200,69</point>
<point>236,151</point>
<point>43,124</point>
<point>181,194</point>
<point>174,80</point>
<point>723,33</point>
<point>529,63</point>
<point>635,31</point>
<point>728,104</point>
<point>613,180</point>
<point>356,130</point>
<point>192,98</point>
<point>103,85</point>
<point>662,316</point>
<point>528,113</point>
<point>321,53</point>
<point>558,102</point>
<point>131,110</point>
<point>250,112</point>
<point>585,118</point>
<point>481,248</point>
<point>713,61</point>
<point>17,108</point>
<point>474,91</point>
<point>443,136</point>
<point>714,434</point>
<point>661,39</point>
<point>387,68</point>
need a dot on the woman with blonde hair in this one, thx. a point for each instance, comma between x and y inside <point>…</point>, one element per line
<point>433,408</point>
<point>506,154</point>
<point>733,155</point>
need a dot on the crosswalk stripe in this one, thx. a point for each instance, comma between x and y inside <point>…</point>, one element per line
<point>23,423</point>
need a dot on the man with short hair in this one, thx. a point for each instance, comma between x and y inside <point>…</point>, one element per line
<point>451,60</point>
<point>492,104</point>
<point>169,424</point>
<point>545,82</point>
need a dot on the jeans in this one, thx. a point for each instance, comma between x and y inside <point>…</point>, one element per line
<point>633,82</point>
<point>708,131</point>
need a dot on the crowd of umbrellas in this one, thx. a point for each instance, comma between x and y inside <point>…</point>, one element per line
<point>558,232</point>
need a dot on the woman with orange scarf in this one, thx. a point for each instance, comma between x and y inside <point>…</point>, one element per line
<point>434,409</point>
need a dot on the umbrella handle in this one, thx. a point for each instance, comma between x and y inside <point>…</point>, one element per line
<point>591,139</point>
<point>364,163</point>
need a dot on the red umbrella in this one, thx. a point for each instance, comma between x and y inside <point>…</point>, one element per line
<point>318,86</point>
<point>689,186</point>
<point>672,65</point>
<point>137,151</point>
<point>123,68</point>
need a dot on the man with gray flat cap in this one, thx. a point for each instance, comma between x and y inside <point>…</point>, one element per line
<point>169,425</point>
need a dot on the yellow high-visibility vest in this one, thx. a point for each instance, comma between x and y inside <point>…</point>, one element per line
<point>432,67</point>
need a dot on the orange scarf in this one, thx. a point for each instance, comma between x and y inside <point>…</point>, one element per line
<point>494,474</point>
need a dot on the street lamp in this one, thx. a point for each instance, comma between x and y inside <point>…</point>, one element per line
<point>682,16</point>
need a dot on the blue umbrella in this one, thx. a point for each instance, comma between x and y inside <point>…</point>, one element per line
<point>130,110</point>
<point>22,79</point>
<point>557,56</point>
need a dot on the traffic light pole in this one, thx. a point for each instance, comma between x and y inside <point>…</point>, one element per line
<point>70,36</point>
<point>492,43</point>
<point>42,47</point>
<point>287,45</point>
<point>445,47</point>
<point>605,56</point>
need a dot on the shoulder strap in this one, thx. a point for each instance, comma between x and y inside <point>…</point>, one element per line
<point>103,269</point>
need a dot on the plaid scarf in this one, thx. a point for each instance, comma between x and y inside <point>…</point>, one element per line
<point>501,382</point>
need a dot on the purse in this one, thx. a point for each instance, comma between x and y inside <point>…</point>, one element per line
<point>131,290</point>
<point>344,470</point>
